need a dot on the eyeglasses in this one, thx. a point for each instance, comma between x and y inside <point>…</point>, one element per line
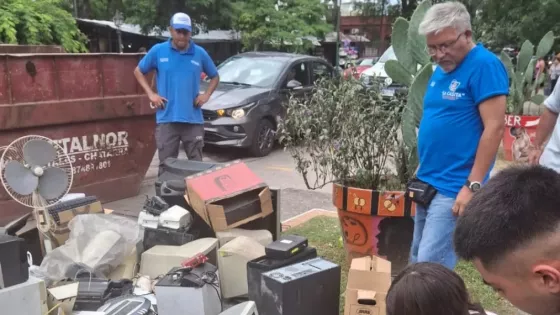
<point>443,48</point>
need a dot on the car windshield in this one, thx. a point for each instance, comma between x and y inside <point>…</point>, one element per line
<point>261,72</point>
<point>389,54</point>
<point>367,62</point>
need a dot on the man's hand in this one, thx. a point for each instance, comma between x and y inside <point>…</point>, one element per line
<point>535,155</point>
<point>157,101</point>
<point>201,99</point>
<point>463,198</point>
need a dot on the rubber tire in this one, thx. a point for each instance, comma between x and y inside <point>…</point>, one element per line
<point>254,148</point>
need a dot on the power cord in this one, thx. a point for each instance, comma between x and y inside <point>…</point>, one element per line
<point>207,277</point>
<point>211,278</point>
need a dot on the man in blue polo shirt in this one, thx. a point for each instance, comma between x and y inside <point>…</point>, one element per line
<point>178,63</point>
<point>460,130</point>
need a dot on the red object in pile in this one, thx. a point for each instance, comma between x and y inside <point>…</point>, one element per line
<point>195,261</point>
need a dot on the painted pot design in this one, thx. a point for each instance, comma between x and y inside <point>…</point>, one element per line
<point>375,223</point>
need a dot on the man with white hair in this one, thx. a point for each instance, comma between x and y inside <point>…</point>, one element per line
<point>461,127</point>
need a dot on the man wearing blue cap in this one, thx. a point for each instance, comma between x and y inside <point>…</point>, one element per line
<point>179,63</point>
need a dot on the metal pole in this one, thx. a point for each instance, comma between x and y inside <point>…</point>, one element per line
<point>337,34</point>
<point>75,8</point>
<point>120,40</point>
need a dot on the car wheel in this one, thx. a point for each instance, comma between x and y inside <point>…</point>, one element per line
<point>263,141</point>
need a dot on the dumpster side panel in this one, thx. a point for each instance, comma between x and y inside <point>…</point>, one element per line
<point>92,106</point>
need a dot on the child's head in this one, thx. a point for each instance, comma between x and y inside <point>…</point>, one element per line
<point>429,289</point>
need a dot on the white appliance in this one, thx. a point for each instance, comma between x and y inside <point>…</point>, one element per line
<point>159,259</point>
<point>148,220</point>
<point>245,308</point>
<point>29,298</point>
<point>175,218</point>
<point>262,236</point>
<point>232,262</point>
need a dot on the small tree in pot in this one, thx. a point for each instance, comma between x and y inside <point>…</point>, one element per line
<point>348,135</point>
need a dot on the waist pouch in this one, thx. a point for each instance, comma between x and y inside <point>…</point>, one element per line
<point>420,192</point>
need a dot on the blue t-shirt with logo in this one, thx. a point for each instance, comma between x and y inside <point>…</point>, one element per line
<point>178,79</point>
<point>451,125</point>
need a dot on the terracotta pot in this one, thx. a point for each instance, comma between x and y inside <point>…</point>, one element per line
<point>519,133</point>
<point>375,223</point>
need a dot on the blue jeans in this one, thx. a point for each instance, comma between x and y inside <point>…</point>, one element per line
<point>433,233</point>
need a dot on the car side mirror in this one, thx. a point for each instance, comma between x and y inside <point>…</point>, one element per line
<point>293,85</point>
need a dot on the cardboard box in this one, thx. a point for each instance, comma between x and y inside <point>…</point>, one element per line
<point>369,280</point>
<point>228,196</point>
<point>60,231</point>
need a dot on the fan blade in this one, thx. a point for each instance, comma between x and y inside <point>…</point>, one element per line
<point>20,178</point>
<point>38,152</point>
<point>53,183</point>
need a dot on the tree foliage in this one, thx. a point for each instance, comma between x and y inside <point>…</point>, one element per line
<point>279,23</point>
<point>39,22</point>
<point>511,22</point>
<point>149,14</point>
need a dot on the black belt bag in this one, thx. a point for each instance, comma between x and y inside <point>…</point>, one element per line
<point>420,192</point>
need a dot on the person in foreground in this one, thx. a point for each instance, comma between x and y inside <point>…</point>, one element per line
<point>511,231</point>
<point>430,289</point>
<point>461,127</point>
<point>178,63</point>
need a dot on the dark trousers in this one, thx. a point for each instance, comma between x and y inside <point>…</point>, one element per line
<point>170,135</point>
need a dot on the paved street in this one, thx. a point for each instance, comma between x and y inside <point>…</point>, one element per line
<point>276,169</point>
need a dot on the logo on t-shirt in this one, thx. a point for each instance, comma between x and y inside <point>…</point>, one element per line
<point>452,94</point>
<point>454,85</point>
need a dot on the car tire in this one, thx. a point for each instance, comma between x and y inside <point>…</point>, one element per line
<point>263,140</point>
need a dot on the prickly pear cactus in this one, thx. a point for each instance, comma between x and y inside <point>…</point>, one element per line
<point>521,75</point>
<point>412,68</point>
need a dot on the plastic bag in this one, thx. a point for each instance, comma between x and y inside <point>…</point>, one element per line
<point>96,245</point>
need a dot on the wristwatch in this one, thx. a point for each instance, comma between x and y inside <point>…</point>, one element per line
<point>473,186</point>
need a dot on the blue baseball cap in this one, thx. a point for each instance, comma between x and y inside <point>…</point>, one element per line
<point>181,21</point>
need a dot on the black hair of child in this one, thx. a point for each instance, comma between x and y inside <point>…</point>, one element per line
<point>429,289</point>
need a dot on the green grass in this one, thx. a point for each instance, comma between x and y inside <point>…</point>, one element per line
<point>324,234</point>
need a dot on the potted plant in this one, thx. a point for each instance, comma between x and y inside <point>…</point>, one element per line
<point>347,135</point>
<point>365,145</point>
<point>520,129</point>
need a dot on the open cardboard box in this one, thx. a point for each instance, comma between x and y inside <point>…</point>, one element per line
<point>228,196</point>
<point>369,280</point>
<point>60,231</point>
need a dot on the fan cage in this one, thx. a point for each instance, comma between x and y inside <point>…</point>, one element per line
<point>14,152</point>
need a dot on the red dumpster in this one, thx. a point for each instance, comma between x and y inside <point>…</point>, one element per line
<point>92,106</point>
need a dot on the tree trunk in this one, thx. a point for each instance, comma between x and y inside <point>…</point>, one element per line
<point>86,9</point>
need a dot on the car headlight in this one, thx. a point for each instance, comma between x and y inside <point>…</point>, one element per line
<point>237,112</point>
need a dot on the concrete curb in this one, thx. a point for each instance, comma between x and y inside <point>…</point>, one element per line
<point>306,216</point>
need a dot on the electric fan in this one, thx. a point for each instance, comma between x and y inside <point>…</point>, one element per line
<point>37,173</point>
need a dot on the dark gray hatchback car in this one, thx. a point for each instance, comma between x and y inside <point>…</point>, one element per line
<point>245,109</point>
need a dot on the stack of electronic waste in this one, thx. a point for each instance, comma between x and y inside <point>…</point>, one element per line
<point>215,250</point>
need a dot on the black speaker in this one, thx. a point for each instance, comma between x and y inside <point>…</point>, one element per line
<point>311,287</point>
<point>14,268</point>
<point>258,266</point>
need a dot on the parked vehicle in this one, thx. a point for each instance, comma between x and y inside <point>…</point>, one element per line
<point>377,75</point>
<point>360,66</point>
<point>247,105</point>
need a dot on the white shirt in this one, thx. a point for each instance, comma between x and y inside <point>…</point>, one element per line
<point>555,71</point>
<point>551,154</point>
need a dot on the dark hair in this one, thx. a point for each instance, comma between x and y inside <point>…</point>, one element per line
<point>429,289</point>
<point>515,206</point>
